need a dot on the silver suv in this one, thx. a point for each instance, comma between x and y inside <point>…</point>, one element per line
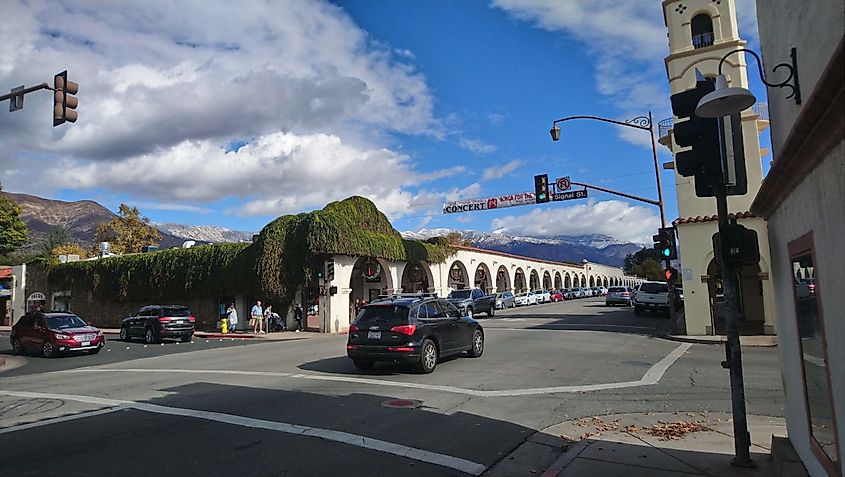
<point>652,296</point>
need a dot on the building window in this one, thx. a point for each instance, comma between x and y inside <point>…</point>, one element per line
<point>702,30</point>
<point>813,348</point>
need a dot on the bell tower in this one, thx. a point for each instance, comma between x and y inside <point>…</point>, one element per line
<point>701,33</point>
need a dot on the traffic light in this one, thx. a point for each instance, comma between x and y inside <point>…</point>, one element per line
<point>701,134</point>
<point>64,103</point>
<point>330,269</point>
<point>664,243</point>
<point>541,188</point>
<point>741,243</point>
<point>671,275</point>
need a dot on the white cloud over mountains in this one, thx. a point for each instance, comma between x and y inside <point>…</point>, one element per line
<point>164,86</point>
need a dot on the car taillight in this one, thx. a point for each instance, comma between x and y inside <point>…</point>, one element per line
<point>405,329</point>
<point>626,294</point>
<point>399,348</point>
<point>192,319</point>
<point>353,329</point>
<point>164,319</point>
<point>351,347</point>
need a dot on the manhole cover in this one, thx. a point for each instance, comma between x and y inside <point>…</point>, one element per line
<point>401,403</point>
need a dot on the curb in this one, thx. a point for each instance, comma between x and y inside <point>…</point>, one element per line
<point>750,341</point>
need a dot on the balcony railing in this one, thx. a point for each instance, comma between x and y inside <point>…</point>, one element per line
<point>702,40</point>
<point>664,126</point>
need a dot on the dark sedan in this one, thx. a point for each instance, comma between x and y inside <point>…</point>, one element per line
<point>416,331</point>
<point>55,333</point>
<point>155,322</point>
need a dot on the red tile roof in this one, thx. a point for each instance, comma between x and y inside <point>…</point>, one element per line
<point>711,218</point>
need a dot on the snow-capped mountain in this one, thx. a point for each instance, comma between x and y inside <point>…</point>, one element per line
<point>595,248</point>
<point>205,233</point>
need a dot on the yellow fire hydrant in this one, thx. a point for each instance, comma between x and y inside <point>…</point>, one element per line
<point>224,325</point>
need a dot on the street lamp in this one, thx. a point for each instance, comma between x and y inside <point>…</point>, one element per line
<point>640,122</point>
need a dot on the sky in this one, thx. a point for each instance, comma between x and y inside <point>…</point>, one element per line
<point>233,113</point>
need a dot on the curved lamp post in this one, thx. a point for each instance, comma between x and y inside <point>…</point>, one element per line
<point>640,122</point>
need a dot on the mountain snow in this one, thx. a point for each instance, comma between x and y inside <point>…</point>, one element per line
<point>205,233</point>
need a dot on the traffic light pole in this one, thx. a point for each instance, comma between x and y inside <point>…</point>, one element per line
<point>742,439</point>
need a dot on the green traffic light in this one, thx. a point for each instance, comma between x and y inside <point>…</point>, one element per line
<point>666,252</point>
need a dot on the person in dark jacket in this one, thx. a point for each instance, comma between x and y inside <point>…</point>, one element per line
<point>297,315</point>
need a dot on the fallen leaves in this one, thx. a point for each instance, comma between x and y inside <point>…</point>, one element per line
<point>675,430</point>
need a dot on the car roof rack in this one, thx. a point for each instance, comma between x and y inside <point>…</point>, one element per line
<point>395,296</point>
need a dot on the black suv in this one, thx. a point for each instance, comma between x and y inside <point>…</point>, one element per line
<point>155,322</point>
<point>409,330</point>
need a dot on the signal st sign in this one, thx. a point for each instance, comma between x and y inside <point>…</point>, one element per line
<point>574,194</point>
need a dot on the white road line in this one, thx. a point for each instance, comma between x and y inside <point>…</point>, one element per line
<point>652,376</point>
<point>463,465</point>
<point>56,420</point>
<point>546,327</point>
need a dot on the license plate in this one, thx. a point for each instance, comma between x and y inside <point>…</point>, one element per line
<point>374,335</point>
<point>86,343</point>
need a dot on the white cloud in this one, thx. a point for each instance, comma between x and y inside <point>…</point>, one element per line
<point>476,146</point>
<point>497,172</point>
<point>614,218</point>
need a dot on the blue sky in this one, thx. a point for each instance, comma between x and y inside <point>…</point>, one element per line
<point>233,115</point>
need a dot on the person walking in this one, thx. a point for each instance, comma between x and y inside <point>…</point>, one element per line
<point>232,316</point>
<point>268,319</point>
<point>257,317</point>
<point>297,316</point>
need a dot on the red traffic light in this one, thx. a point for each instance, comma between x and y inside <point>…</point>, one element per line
<point>671,274</point>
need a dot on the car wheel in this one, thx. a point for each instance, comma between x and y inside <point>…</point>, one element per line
<point>637,310</point>
<point>492,312</point>
<point>428,357</point>
<point>149,336</point>
<point>187,338</point>
<point>17,347</point>
<point>47,349</point>
<point>95,350</point>
<point>477,347</point>
<point>363,364</point>
<point>469,312</point>
<point>124,333</point>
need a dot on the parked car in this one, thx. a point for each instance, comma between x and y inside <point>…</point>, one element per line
<point>602,291</point>
<point>557,295</point>
<point>577,292</point>
<point>543,296</point>
<point>652,296</point>
<point>505,300</point>
<point>55,333</point>
<point>525,299</point>
<point>588,292</point>
<point>416,331</point>
<point>472,301</point>
<point>617,296</point>
<point>155,322</point>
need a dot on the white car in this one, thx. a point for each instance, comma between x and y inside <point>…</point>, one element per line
<point>543,296</point>
<point>525,298</point>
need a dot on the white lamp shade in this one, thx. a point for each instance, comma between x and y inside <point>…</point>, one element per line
<point>724,101</point>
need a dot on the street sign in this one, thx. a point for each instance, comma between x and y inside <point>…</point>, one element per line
<point>499,202</point>
<point>562,184</point>
<point>574,194</point>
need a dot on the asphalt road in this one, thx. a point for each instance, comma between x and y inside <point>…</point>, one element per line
<point>300,408</point>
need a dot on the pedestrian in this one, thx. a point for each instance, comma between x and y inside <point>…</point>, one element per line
<point>256,318</point>
<point>232,316</point>
<point>268,318</point>
<point>297,316</point>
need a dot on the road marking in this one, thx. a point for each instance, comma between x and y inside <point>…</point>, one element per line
<point>56,420</point>
<point>652,376</point>
<point>542,327</point>
<point>463,465</point>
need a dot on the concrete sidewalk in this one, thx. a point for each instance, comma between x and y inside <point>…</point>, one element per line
<point>276,336</point>
<point>645,444</point>
<point>756,340</point>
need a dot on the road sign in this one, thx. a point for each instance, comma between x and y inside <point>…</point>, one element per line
<point>574,194</point>
<point>562,184</point>
<point>499,202</point>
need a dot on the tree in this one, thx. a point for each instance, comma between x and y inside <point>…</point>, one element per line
<point>649,268</point>
<point>639,257</point>
<point>128,232</point>
<point>57,237</point>
<point>13,230</point>
<point>69,249</point>
<point>456,238</point>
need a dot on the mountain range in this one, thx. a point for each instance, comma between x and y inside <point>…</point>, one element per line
<point>81,219</point>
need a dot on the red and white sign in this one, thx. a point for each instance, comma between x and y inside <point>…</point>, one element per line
<point>562,184</point>
<point>499,202</point>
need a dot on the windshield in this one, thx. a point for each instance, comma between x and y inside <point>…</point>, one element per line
<point>61,322</point>
<point>460,294</point>
<point>654,288</point>
<point>175,311</point>
<point>382,314</point>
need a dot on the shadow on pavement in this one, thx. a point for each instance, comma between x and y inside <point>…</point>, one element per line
<point>343,365</point>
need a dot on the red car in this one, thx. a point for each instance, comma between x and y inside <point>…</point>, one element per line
<point>55,333</point>
<point>557,295</point>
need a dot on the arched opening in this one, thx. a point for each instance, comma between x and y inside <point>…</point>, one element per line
<point>605,282</point>
<point>702,30</point>
<point>503,280</point>
<point>483,280</point>
<point>416,277</point>
<point>558,281</point>
<point>519,281</point>
<point>458,276</point>
<point>583,282</point>
<point>749,297</point>
<point>567,281</point>
<point>547,281</point>
<point>592,282</point>
<point>370,278</point>
<point>534,283</point>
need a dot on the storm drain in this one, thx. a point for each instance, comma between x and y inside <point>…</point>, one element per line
<point>401,403</point>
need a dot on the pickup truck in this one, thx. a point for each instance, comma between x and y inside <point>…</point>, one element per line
<point>652,296</point>
<point>472,300</point>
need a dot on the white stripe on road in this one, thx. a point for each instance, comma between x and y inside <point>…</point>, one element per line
<point>463,465</point>
<point>546,326</point>
<point>652,376</point>
<point>56,420</point>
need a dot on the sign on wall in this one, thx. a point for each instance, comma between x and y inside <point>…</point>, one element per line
<point>36,296</point>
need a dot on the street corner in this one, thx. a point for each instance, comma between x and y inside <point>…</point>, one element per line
<point>8,363</point>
